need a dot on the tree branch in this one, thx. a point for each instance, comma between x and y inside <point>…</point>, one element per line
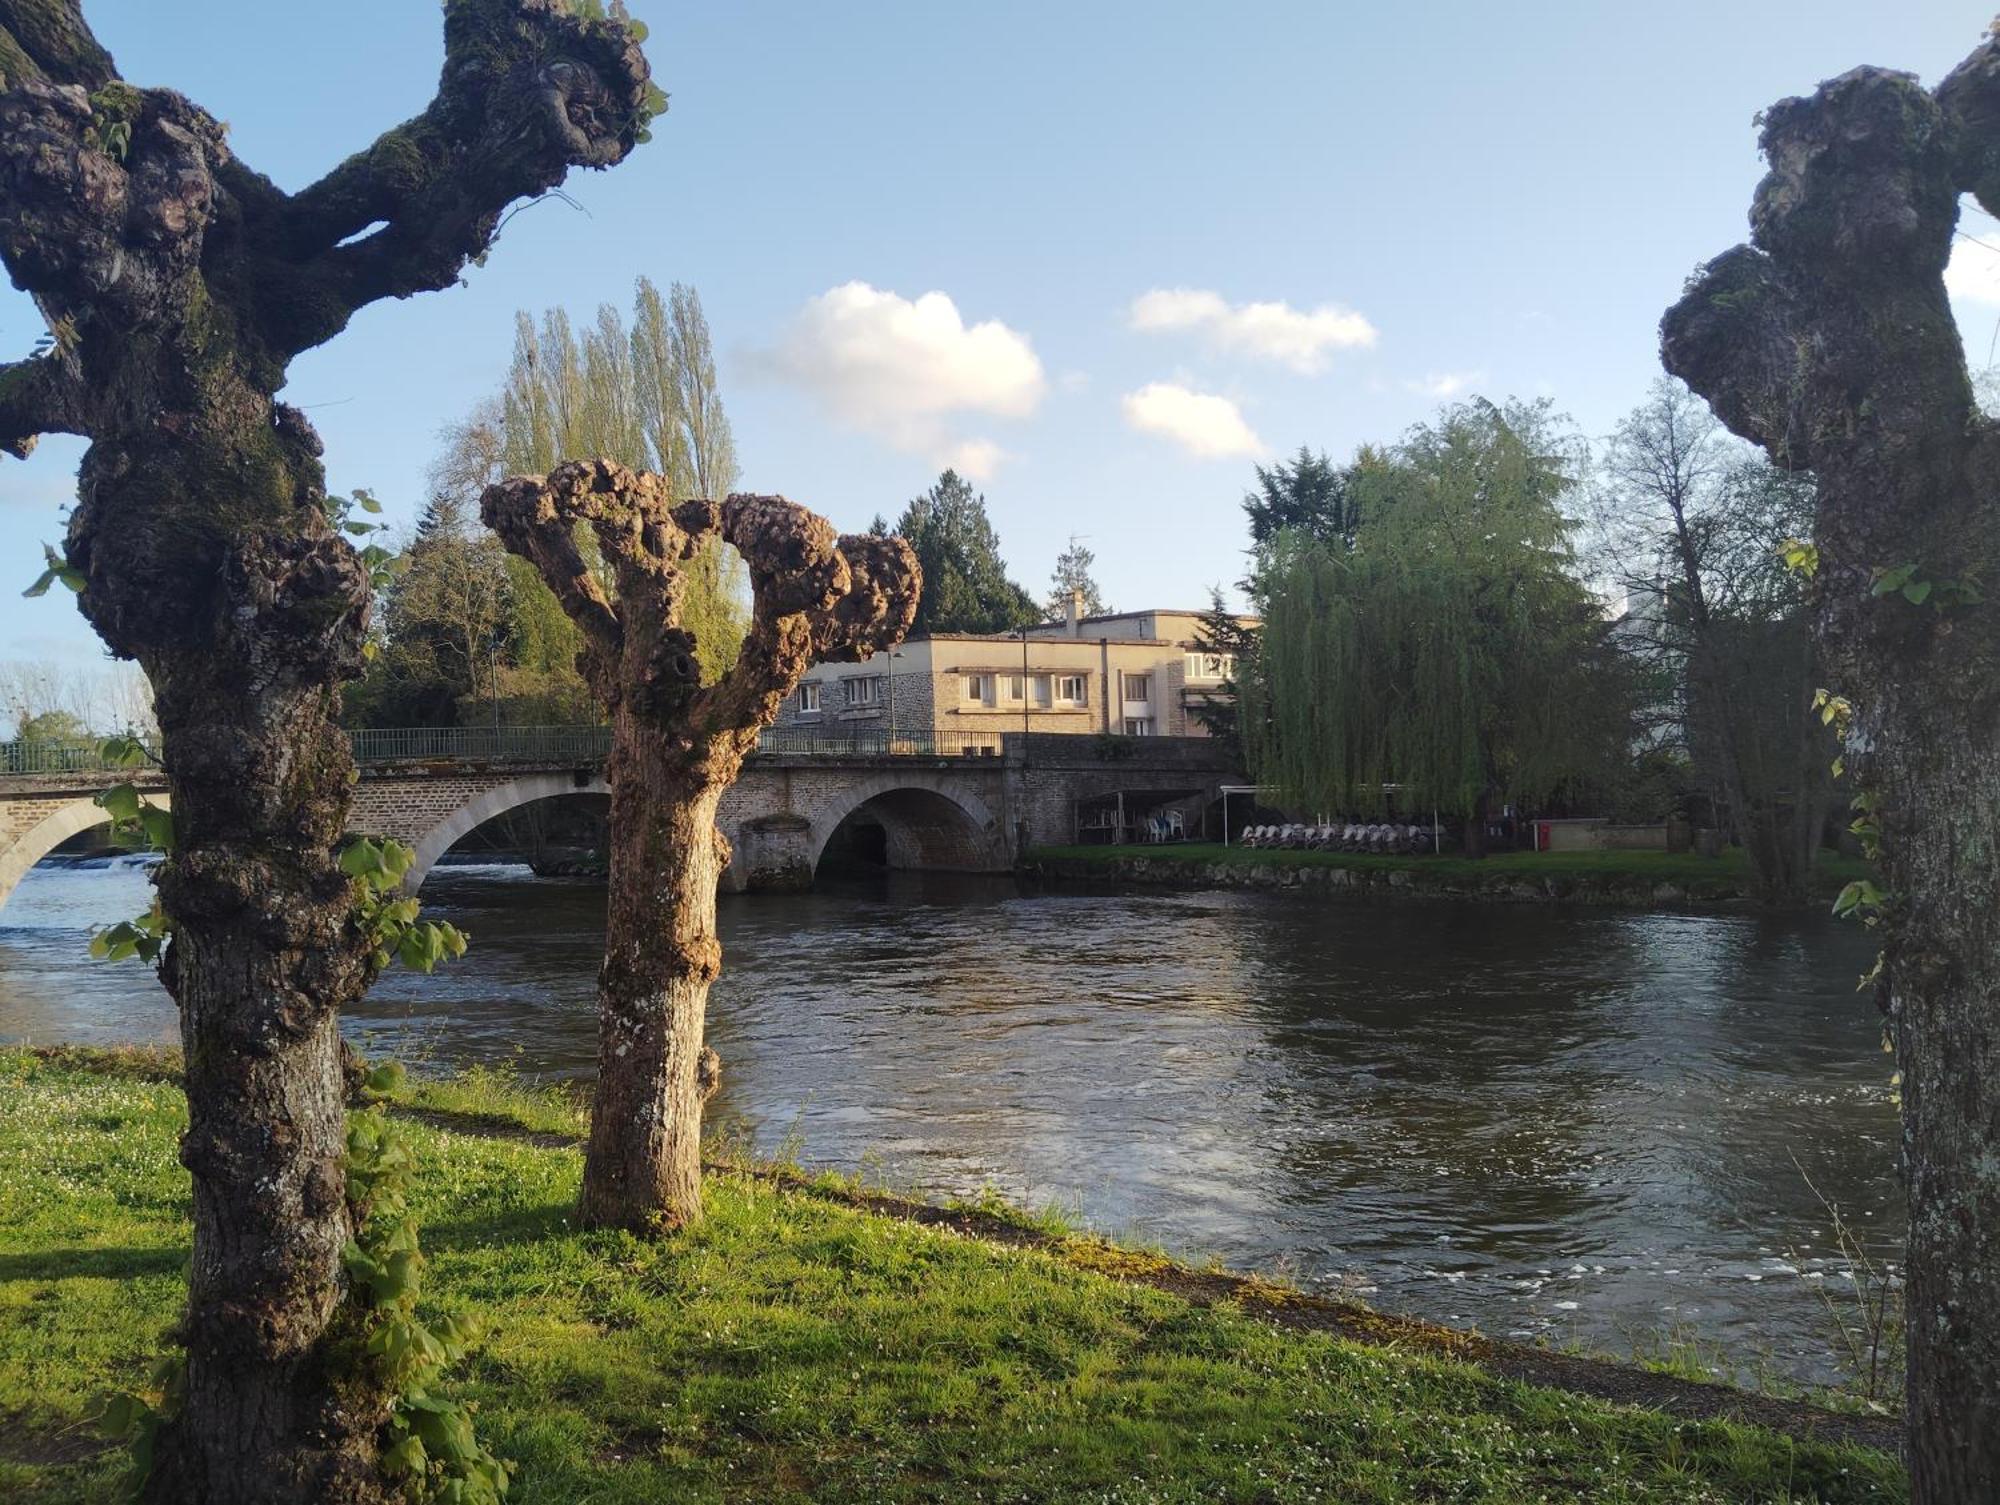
<point>536,518</point>
<point>814,597</point>
<point>1835,326</point>
<point>37,397</point>
<point>48,41</point>
<point>529,90</point>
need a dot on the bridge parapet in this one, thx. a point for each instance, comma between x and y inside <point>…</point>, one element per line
<point>968,800</point>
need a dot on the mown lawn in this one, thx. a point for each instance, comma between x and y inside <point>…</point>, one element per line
<point>796,1349</point>
<point>1730,870</point>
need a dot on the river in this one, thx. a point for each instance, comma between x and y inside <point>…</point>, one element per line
<point>1582,1125</point>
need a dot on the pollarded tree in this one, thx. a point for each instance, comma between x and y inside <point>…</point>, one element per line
<point>178,284</point>
<point>1829,341</point>
<point>676,746</point>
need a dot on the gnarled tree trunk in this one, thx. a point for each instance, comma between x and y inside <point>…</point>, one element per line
<point>1830,342</point>
<point>677,745</point>
<point>177,285</point>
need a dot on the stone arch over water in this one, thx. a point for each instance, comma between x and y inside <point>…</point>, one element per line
<point>51,831</point>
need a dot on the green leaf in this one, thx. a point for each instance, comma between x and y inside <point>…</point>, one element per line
<point>360,857</point>
<point>1917,592</point>
<point>158,824</point>
<point>121,802</point>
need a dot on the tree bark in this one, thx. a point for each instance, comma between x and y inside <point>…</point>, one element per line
<point>1830,342</point>
<point>677,745</point>
<point>642,1169</point>
<point>177,284</point>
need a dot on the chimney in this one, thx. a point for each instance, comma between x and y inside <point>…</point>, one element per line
<point>1074,616</point>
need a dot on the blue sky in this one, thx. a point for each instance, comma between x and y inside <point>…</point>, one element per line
<point>1343,210</point>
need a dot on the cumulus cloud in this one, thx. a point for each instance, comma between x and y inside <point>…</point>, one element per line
<point>902,369</point>
<point>1203,424</point>
<point>1973,273</point>
<point>1443,384</point>
<point>1299,338</point>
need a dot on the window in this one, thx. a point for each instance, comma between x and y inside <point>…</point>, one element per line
<point>1138,726</point>
<point>1040,690</point>
<point>865,692</point>
<point>1010,685</point>
<point>809,698</point>
<point>1138,687</point>
<point>979,689</point>
<point>1211,666</point>
<point>1072,689</point>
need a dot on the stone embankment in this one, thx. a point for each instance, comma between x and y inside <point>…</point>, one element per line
<point>1444,879</point>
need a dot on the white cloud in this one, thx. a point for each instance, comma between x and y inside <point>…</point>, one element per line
<point>1299,338</point>
<point>1202,423</point>
<point>1443,384</point>
<point>901,369</point>
<point>1973,273</point>
<point>975,459</point>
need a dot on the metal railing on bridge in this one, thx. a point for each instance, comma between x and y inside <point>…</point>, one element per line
<point>482,744</point>
<point>532,744</point>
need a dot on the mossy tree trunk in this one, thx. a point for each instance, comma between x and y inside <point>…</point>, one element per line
<point>1829,340</point>
<point>178,285</point>
<point>677,746</point>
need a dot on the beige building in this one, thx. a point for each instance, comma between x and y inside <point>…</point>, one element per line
<point>1138,674</point>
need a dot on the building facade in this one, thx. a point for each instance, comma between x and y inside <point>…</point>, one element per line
<point>1139,674</point>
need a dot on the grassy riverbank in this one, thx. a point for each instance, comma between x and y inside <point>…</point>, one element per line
<point>1505,874</point>
<point>809,1342</point>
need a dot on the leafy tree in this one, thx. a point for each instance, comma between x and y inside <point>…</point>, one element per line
<point>1451,650</point>
<point>444,615</point>
<point>1226,632</point>
<point>1689,526</point>
<point>966,588</point>
<point>1072,579</point>
<point>1309,497</point>
<point>676,745</point>
<point>1829,342</point>
<point>178,285</point>
<point>643,393</point>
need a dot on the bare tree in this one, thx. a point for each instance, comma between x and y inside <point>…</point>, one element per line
<point>1829,341</point>
<point>178,284</point>
<point>676,745</point>
<point>1689,524</point>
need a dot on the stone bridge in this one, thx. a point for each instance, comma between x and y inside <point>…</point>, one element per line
<point>957,810</point>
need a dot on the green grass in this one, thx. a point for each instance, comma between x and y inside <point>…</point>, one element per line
<point>796,1349</point>
<point>1729,871</point>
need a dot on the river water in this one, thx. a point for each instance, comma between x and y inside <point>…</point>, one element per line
<point>1565,1123</point>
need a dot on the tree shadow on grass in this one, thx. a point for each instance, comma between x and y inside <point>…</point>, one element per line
<point>89,1264</point>
<point>514,1225</point>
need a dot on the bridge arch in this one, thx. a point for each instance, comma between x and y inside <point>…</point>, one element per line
<point>50,832</point>
<point>498,800</point>
<point>932,821</point>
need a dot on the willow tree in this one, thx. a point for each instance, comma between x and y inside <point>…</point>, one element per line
<point>1449,648</point>
<point>178,284</point>
<point>676,745</point>
<point>1829,341</point>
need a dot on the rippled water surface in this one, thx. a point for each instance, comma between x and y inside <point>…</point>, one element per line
<point>1584,1124</point>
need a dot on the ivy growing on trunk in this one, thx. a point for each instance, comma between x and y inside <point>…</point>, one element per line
<point>178,284</point>
<point>1829,341</point>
